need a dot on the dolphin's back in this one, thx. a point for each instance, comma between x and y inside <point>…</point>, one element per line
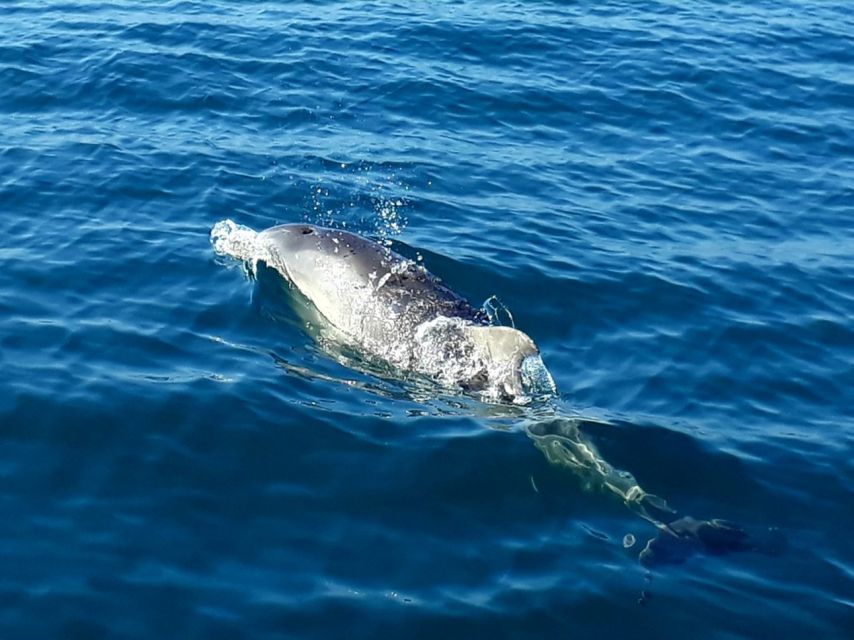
<point>363,288</point>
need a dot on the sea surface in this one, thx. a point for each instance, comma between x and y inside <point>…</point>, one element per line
<point>661,193</point>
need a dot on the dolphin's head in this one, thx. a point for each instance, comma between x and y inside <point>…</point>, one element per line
<point>286,241</point>
<point>303,252</point>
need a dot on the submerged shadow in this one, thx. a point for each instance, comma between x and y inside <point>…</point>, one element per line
<point>559,437</point>
<point>678,536</point>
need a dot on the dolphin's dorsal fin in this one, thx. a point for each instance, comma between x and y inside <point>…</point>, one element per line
<point>503,348</point>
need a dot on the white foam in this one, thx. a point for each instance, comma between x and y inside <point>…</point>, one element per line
<point>238,241</point>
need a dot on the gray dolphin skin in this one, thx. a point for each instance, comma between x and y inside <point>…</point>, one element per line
<point>397,310</point>
<point>393,308</point>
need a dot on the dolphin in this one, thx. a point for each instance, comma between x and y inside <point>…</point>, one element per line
<point>393,308</point>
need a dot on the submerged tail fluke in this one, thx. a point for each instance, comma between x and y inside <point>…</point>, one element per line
<point>677,538</point>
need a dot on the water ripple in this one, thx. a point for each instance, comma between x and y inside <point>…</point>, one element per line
<point>660,194</point>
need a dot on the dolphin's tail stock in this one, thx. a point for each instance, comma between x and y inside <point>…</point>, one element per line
<point>237,241</point>
<point>515,367</point>
<point>678,538</point>
<point>563,444</point>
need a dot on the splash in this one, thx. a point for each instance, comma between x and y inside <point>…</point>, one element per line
<point>536,378</point>
<point>498,312</point>
<point>445,354</point>
<point>238,241</point>
<point>454,352</point>
<point>361,196</point>
<point>391,218</point>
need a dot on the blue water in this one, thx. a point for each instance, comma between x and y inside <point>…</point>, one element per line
<point>662,194</point>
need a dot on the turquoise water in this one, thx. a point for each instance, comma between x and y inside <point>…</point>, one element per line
<point>661,193</point>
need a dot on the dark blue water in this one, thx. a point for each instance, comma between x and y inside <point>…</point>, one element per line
<point>662,193</point>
